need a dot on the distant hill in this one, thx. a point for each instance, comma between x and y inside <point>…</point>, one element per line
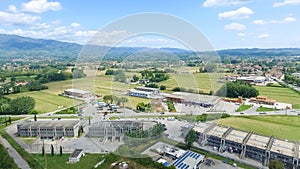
<point>13,46</point>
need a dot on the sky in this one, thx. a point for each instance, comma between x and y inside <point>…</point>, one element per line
<point>226,24</point>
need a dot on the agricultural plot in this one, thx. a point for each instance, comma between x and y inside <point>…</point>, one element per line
<point>280,94</point>
<point>46,102</point>
<point>202,81</point>
<point>283,127</point>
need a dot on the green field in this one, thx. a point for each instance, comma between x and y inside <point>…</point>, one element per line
<point>280,94</point>
<point>264,109</point>
<point>202,81</point>
<point>46,102</point>
<point>283,127</point>
<point>243,108</point>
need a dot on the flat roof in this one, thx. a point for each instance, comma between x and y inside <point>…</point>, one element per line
<point>139,91</point>
<point>188,160</point>
<point>200,127</point>
<point>76,153</point>
<point>78,91</point>
<point>283,147</point>
<point>146,88</point>
<point>236,136</point>
<point>49,123</point>
<point>195,97</point>
<point>217,131</point>
<point>258,141</point>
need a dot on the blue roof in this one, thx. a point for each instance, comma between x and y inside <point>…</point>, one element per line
<point>180,163</point>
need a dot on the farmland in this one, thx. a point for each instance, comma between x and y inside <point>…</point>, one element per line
<point>45,102</point>
<point>283,127</point>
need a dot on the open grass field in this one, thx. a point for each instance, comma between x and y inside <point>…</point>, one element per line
<point>203,81</point>
<point>279,94</point>
<point>46,102</point>
<point>283,127</point>
<point>243,108</point>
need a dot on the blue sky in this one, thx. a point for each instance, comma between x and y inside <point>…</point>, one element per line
<point>226,23</point>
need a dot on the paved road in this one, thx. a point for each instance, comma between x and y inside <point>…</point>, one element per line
<point>21,163</point>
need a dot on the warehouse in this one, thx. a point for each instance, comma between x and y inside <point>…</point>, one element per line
<point>77,93</point>
<point>49,129</point>
<point>248,144</point>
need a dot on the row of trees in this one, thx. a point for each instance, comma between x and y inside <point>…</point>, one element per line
<point>288,78</point>
<point>20,105</point>
<point>236,89</point>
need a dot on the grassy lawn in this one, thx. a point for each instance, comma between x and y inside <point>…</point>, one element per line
<point>283,127</point>
<point>264,109</point>
<point>46,102</point>
<point>60,162</point>
<point>202,81</point>
<point>28,140</point>
<point>5,160</point>
<point>243,108</point>
<point>279,94</point>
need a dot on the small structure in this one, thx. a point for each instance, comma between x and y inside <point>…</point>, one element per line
<point>163,161</point>
<point>77,93</point>
<point>76,155</point>
<point>189,160</point>
<point>238,100</point>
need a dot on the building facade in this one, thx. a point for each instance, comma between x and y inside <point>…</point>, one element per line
<point>50,129</point>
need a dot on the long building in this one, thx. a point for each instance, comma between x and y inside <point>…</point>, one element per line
<point>248,144</point>
<point>114,130</point>
<point>49,129</point>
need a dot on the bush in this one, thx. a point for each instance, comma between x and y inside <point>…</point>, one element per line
<point>162,87</point>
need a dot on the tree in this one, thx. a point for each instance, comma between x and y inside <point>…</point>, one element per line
<point>108,99</point>
<point>2,79</point>
<point>22,105</point>
<point>276,164</point>
<point>43,149</point>
<point>236,89</point>
<point>60,150</point>
<point>190,138</point>
<point>9,120</point>
<point>52,150</point>
<point>162,87</point>
<point>120,76</point>
<point>35,119</point>
<point>123,100</point>
<point>135,78</point>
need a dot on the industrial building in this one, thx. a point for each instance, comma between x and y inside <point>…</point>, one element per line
<point>248,144</point>
<point>114,130</point>
<point>77,93</point>
<point>144,92</point>
<point>49,129</point>
<point>191,99</point>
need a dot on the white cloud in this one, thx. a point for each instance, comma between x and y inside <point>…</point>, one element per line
<point>210,3</point>
<point>75,25</point>
<point>263,36</point>
<point>259,22</point>
<point>40,6</point>
<point>17,18</point>
<point>286,2</point>
<point>288,19</point>
<point>12,9</point>
<point>240,13</point>
<point>241,35</point>
<point>235,26</point>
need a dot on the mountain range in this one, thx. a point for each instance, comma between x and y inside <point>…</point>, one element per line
<point>13,46</point>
